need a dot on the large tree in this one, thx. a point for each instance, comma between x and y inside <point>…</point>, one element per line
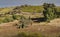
<point>49,11</point>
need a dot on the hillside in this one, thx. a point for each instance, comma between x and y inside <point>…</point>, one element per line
<point>32,18</point>
<point>7,13</point>
<point>27,8</point>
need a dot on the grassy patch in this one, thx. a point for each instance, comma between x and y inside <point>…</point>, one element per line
<point>32,9</point>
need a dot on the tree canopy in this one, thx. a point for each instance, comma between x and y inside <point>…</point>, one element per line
<point>49,11</point>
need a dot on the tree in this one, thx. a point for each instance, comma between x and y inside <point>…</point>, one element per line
<point>49,11</point>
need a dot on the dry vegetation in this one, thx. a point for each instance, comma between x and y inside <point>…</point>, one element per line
<point>41,29</point>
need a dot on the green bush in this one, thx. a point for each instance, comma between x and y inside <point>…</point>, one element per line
<point>6,19</point>
<point>24,22</point>
<point>16,17</point>
<point>49,11</point>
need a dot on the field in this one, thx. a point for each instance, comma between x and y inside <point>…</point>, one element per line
<point>43,29</point>
<point>12,16</point>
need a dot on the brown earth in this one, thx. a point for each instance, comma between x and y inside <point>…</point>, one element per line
<point>52,28</point>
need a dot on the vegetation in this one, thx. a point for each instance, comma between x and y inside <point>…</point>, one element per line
<point>6,19</point>
<point>49,11</point>
<point>32,9</point>
<point>23,34</point>
<point>23,22</point>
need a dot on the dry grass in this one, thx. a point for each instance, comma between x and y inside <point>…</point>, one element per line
<point>43,28</point>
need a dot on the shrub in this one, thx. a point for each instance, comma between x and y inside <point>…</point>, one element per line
<point>6,19</point>
<point>24,22</point>
<point>49,11</point>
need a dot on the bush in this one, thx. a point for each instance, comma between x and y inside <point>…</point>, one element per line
<point>24,22</point>
<point>16,17</point>
<point>49,11</point>
<point>6,19</point>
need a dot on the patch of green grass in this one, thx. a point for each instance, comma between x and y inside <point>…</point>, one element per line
<point>32,9</point>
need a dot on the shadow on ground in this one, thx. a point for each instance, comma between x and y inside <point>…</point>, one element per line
<point>42,19</point>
